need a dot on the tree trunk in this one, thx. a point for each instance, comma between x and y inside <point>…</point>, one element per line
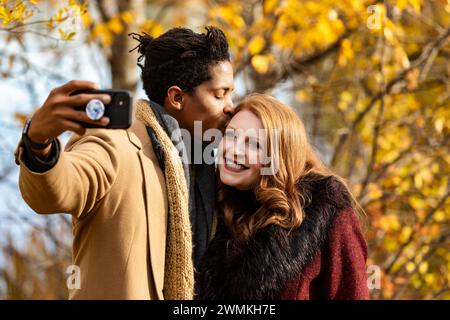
<point>123,63</point>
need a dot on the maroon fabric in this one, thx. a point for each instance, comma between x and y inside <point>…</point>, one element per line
<point>338,271</point>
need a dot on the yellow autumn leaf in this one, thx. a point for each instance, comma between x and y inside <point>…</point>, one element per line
<point>269,5</point>
<point>256,45</point>
<point>61,33</point>
<point>389,222</point>
<point>151,27</point>
<point>374,191</point>
<point>434,230</point>
<point>416,5</point>
<point>86,19</point>
<point>402,57</point>
<point>439,124</point>
<point>410,266</point>
<point>115,25</point>
<point>423,267</point>
<point>412,78</point>
<point>302,95</point>
<point>346,96</point>
<point>389,35</point>
<point>66,35</point>
<point>231,14</point>
<point>401,4</point>
<point>261,63</point>
<point>343,106</point>
<point>406,232</point>
<point>418,180</point>
<point>390,244</point>
<point>59,17</point>
<point>49,23</point>
<point>439,216</point>
<point>101,32</point>
<point>417,203</point>
<point>430,278</point>
<point>22,118</point>
<point>127,17</point>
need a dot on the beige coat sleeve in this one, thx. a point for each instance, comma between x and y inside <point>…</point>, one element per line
<point>82,175</point>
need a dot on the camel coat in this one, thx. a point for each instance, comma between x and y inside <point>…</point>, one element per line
<point>111,184</point>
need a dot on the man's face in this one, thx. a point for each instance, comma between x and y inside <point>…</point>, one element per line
<point>211,102</point>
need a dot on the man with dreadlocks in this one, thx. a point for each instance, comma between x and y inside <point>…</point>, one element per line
<point>141,216</point>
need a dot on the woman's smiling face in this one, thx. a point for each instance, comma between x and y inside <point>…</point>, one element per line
<point>241,151</point>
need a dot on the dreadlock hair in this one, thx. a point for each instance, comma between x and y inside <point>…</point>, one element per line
<point>179,57</point>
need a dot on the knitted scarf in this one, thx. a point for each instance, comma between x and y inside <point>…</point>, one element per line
<point>179,270</point>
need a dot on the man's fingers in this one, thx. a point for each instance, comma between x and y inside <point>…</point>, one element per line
<point>73,126</point>
<point>81,116</point>
<point>74,85</point>
<point>84,98</point>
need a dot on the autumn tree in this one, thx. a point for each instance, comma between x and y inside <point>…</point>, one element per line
<point>370,79</point>
<point>37,267</point>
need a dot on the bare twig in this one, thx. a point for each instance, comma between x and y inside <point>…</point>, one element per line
<point>379,118</point>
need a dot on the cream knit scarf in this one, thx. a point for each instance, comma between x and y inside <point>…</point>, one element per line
<point>179,270</point>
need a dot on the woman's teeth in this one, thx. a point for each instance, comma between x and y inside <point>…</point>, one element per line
<point>232,165</point>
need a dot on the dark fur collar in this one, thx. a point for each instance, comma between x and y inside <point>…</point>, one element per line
<point>275,256</point>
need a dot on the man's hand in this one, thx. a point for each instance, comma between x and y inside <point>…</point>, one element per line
<point>58,114</point>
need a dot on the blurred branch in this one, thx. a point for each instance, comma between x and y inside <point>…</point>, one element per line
<point>29,65</point>
<point>23,25</point>
<point>436,27</point>
<point>267,46</point>
<point>297,65</point>
<point>430,252</point>
<point>385,167</point>
<point>101,7</point>
<point>412,236</point>
<point>44,35</point>
<point>441,292</point>
<point>379,117</point>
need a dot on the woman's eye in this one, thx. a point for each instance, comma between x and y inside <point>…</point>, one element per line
<point>219,98</point>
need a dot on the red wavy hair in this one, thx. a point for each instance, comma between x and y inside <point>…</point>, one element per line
<point>276,200</point>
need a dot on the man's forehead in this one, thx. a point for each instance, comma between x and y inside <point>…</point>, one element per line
<point>222,76</point>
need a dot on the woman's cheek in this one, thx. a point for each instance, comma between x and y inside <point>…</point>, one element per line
<point>255,174</point>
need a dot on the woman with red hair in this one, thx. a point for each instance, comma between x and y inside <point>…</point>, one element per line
<point>286,228</point>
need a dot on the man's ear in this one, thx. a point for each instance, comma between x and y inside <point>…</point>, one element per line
<point>175,98</point>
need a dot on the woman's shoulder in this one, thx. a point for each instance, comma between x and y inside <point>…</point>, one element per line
<point>316,190</point>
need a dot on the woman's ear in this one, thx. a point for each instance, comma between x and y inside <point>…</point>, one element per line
<point>175,98</point>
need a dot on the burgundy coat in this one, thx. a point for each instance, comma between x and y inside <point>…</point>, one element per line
<point>323,259</point>
<point>338,271</point>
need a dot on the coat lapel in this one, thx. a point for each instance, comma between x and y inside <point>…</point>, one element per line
<point>156,222</point>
